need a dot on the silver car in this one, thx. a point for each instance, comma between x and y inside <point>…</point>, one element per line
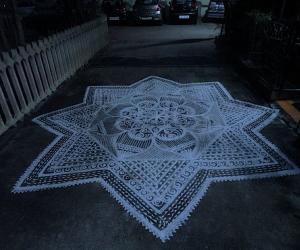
<point>147,10</point>
<point>215,10</point>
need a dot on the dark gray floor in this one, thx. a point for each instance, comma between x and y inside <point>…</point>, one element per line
<point>257,214</point>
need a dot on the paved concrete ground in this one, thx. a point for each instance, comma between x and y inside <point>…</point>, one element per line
<point>256,214</point>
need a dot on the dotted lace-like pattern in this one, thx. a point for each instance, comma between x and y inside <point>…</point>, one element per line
<point>156,146</point>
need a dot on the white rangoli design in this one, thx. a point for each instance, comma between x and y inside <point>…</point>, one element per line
<point>156,146</point>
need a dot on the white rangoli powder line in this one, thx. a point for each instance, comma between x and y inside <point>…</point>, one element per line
<point>147,151</point>
<point>168,233</point>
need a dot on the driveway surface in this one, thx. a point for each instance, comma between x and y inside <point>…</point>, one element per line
<point>254,214</point>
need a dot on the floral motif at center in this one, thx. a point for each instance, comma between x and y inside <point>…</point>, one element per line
<point>166,122</point>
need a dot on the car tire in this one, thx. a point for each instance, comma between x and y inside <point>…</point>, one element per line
<point>195,20</point>
<point>171,19</point>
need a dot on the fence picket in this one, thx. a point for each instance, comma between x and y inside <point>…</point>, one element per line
<point>10,95</point>
<point>2,125</point>
<point>46,65</point>
<point>35,71</point>
<point>6,112</point>
<point>29,74</point>
<point>60,58</point>
<point>47,48</point>
<point>23,80</point>
<point>41,68</point>
<point>14,81</point>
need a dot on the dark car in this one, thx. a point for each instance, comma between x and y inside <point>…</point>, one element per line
<point>25,8</point>
<point>147,10</point>
<point>115,10</point>
<point>49,7</point>
<point>184,10</point>
<point>215,11</point>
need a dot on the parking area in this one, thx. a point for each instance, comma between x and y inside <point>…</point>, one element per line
<point>163,11</point>
<point>147,41</point>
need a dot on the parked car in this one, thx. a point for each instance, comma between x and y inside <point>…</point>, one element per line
<point>115,10</point>
<point>106,5</point>
<point>184,10</point>
<point>147,10</point>
<point>215,11</point>
<point>25,8</point>
<point>49,7</point>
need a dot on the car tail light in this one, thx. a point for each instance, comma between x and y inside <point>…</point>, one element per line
<point>194,5</point>
<point>171,7</point>
<point>172,4</point>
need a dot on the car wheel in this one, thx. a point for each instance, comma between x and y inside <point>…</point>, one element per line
<point>159,23</point>
<point>171,19</point>
<point>195,20</point>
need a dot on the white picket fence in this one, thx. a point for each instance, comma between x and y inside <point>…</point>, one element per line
<point>31,73</point>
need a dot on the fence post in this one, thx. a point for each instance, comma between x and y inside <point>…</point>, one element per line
<point>9,91</point>
<point>35,71</point>
<point>31,81</point>
<point>12,79</point>
<point>23,81</point>
<point>46,46</point>
<point>6,112</point>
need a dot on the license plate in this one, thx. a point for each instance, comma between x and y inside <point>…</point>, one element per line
<point>184,17</point>
<point>146,18</point>
<point>114,18</point>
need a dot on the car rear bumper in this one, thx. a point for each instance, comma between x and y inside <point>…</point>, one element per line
<point>116,18</point>
<point>184,15</point>
<point>155,17</point>
<point>215,15</point>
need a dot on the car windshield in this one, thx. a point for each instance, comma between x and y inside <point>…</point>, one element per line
<point>182,1</point>
<point>147,2</point>
<point>25,4</point>
<point>116,2</point>
<point>113,3</point>
<point>219,2</point>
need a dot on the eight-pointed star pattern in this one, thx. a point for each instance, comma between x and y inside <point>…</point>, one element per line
<point>156,146</point>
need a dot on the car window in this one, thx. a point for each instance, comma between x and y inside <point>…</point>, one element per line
<point>25,4</point>
<point>147,2</point>
<point>218,2</point>
<point>182,1</point>
<point>117,2</point>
